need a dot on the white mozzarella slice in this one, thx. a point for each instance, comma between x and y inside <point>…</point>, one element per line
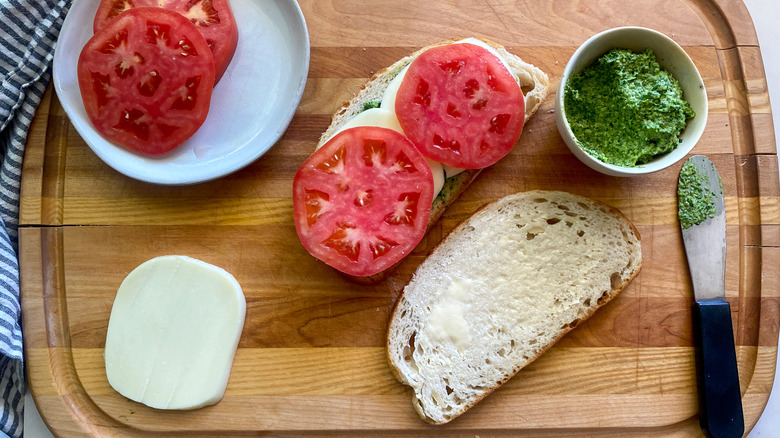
<point>173,332</point>
<point>388,98</point>
<point>373,117</point>
<point>438,176</point>
<point>480,43</point>
<point>450,171</point>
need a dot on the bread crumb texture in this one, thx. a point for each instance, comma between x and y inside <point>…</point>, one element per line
<point>501,289</point>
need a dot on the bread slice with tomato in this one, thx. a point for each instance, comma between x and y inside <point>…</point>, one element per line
<point>460,104</point>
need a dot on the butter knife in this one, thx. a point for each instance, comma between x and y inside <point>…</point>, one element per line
<point>701,210</point>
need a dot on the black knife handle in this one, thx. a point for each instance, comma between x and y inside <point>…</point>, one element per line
<point>720,401</point>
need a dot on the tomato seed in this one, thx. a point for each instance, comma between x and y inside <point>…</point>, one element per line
<point>374,152</point>
<point>334,163</point>
<point>381,246</point>
<point>364,198</point>
<point>101,84</point>
<point>451,67</point>
<point>189,95</point>
<point>472,86</point>
<point>131,121</point>
<point>452,111</point>
<point>111,45</point>
<point>423,97</point>
<point>498,123</point>
<point>441,143</point>
<point>149,84</point>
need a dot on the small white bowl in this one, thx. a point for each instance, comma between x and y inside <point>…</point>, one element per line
<point>672,58</point>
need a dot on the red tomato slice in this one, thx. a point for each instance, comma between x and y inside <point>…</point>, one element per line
<point>362,200</point>
<point>146,80</point>
<point>213,18</point>
<point>460,106</point>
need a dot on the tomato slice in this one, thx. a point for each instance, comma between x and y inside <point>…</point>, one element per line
<point>362,200</point>
<point>460,106</point>
<point>146,80</point>
<point>213,18</point>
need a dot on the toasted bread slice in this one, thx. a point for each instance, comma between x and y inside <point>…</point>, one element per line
<point>533,81</point>
<point>500,290</point>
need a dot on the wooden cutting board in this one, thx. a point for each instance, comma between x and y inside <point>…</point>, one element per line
<point>311,358</point>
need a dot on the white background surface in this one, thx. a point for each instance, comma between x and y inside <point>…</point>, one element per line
<point>766,18</point>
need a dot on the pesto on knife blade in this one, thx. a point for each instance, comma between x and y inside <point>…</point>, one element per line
<point>624,109</point>
<point>695,201</point>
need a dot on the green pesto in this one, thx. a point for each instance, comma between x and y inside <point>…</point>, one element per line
<point>624,109</point>
<point>695,201</point>
<point>371,104</point>
<point>446,189</point>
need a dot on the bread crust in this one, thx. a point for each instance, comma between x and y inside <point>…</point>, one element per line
<point>608,296</point>
<point>527,76</point>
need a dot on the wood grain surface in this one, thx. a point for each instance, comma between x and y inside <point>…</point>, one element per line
<point>311,358</point>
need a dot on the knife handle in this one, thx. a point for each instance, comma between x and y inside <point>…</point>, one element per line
<point>720,400</point>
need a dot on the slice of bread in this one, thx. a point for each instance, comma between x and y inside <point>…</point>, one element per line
<point>533,81</point>
<point>500,290</point>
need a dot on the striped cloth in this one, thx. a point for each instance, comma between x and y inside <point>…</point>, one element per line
<point>28,32</point>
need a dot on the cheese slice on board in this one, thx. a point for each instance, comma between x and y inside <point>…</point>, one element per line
<point>173,332</point>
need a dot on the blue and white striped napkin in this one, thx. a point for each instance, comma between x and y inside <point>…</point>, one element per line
<point>28,33</point>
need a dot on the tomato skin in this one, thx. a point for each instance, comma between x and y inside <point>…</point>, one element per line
<point>460,106</point>
<point>146,80</point>
<point>213,18</point>
<point>362,201</point>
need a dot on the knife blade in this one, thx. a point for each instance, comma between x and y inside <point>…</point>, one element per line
<point>702,213</point>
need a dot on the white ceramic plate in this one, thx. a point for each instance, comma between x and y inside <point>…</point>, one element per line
<point>251,106</point>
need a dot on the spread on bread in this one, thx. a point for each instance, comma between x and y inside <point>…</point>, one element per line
<point>500,290</point>
<point>173,332</point>
<point>461,104</point>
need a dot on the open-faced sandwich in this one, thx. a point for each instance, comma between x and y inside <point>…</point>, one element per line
<point>405,147</point>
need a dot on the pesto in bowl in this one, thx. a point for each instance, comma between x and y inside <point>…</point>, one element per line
<point>625,109</point>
